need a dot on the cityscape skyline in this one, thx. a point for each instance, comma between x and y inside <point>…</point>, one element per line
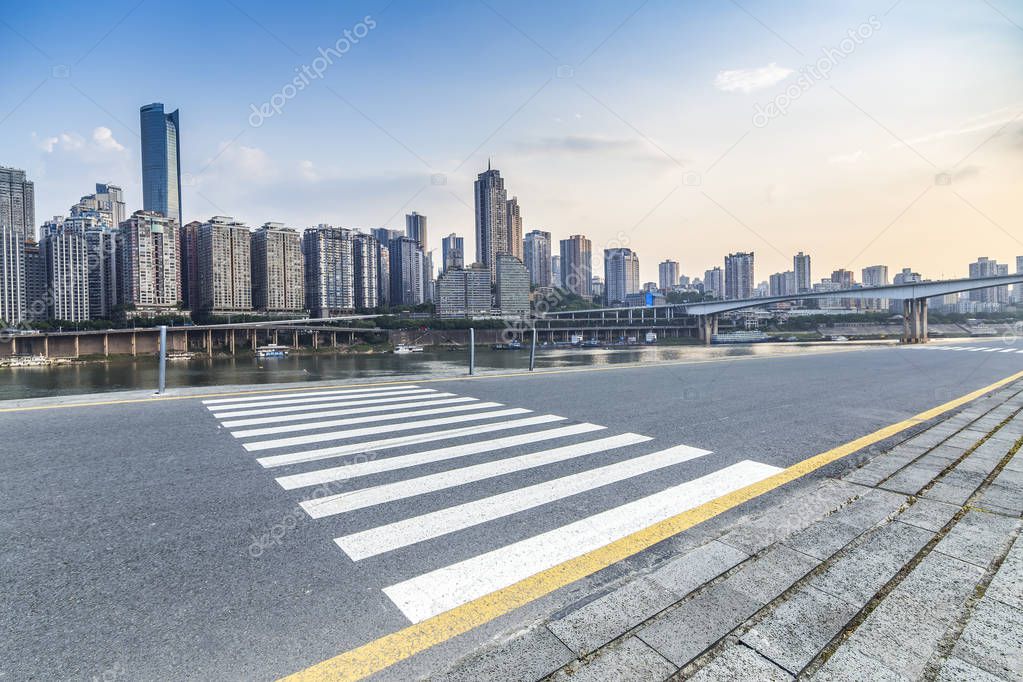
<point>576,166</point>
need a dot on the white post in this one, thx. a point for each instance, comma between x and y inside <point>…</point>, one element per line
<point>163,359</point>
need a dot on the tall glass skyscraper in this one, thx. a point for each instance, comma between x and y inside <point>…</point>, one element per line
<point>161,161</point>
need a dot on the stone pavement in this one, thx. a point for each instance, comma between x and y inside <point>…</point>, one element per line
<point>908,567</point>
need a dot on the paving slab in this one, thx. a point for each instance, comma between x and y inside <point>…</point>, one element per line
<point>799,628</point>
<point>629,660</point>
<point>928,514</point>
<point>993,639</point>
<point>1007,584</point>
<point>847,663</point>
<point>684,574</point>
<point>830,534</point>
<point>958,670</point>
<point>531,655</point>
<point>856,576</point>
<point>978,537</point>
<point>739,662</point>
<point>917,475</point>
<point>768,576</point>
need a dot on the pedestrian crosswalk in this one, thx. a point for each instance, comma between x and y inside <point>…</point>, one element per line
<point>969,349</point>
<point>376,453</point>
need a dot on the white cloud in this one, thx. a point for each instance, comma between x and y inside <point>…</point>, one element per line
<point>67,142</point>
<point>748,80</point>
<point>976,124</point>
<point>308,170</point>
<point>104,139</point>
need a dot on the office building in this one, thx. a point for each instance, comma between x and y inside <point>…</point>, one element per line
<point>621,274</point>
<point>739,271</point>
<point>148,255</point>
<point>714,282</point>
<point>491,206</point>
<point>512,291</point>
<point>907,276</point>
<point>225,266</point>
<point>161,161</point>
<point>513,224</point>
<point>577,265</point>
<point>668,275</point>
<point>801,268</point>
<point>65,257</point>
<point>366,279</point>
<point>464,292</point>
<point>407,272</point>
<point>106,205</point>
<point>597,287</point>
<point>13,308</point>
<point>452,252</point>
<point>278,272</point>
<point>17,202</point>
<point>190,265</point>
<point>536,251</point>
<point>329,271</point>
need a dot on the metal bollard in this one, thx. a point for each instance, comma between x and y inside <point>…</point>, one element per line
<point>532,352</point>
<point>163,360</point>
<point>472,351</point>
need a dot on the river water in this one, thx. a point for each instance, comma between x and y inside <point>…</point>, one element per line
<point>141,373</point>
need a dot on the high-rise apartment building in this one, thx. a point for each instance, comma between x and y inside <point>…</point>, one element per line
<point>556,280</point>
<point>36,299</point>
<point>161,161</point>
<point>225,266</point>
<point>577,265</point>
<point>12,276</point>
<point>278,272</point>
<point>366,260</point>
<point>739,274</point>
<point>843,278</point>
<point>621,274</point>
<point>714,282</point>
<point>17,202</point>
<point>66,260</point>
<point>513,223</point>
<point>875,276</point>
<point>536,251</point>
<point>491,201</point>
<point>415,228</point>
<point>986,267</point>
<point>329,271</point>
<point>801,268</point>
<point>148,274</point>
<point>782,284</point>
<point>190,265</point>
<point>104,292</point>
<point>464,292</point>
<point>407,272</point>
<point>512,291</point>
<point>106,205</point>
<point>1017,290</point>
<point>668,275</point>
<point>452,252</point>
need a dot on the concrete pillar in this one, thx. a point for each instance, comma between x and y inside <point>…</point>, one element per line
<point>907,305</point>
<point>46,345</point>
<point>316,340</point>
<point>275,337</point>
<point>209,342</point>
<point>922,309</point>
<point>333,339</point>
<point>106,345</point>
<point>14,345</point>
<point>294,339</point>
<point>232,340</point>
<point>134,347</point>
<point>253,334</point>
<point>76,346</point>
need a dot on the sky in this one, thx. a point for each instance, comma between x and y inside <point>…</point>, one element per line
<point>870,132</point>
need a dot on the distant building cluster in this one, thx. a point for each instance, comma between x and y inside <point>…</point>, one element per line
<point>101,263</point>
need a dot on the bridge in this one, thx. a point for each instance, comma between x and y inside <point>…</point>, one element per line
<point>914,297</point>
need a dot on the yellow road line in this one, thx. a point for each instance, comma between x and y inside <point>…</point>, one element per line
<point>413,380</point>
<point>390,649</point>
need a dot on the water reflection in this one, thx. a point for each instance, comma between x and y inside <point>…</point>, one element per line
<point>141,373</point>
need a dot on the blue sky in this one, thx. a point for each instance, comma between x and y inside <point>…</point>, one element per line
<point>630,122</point>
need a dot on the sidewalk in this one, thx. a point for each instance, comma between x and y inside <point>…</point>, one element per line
<point>909,567</point>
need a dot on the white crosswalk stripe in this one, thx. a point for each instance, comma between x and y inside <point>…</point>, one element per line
<point>445,588</point>
<point>401,441</point>
<point>367,497</point>
<point>291,428</point>
<point>422,394</point>
<point>221,409</point>
<point>435,399</point>
<point>373,430</point>
<point>357,469</point>
<point>304,394</point>
<point>356,427</point>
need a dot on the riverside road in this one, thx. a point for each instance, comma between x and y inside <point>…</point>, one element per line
<point>251,535</point>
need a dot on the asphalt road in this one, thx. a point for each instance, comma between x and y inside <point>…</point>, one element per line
<point>147,541</point>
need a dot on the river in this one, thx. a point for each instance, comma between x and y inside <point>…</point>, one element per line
<point>140,373</point>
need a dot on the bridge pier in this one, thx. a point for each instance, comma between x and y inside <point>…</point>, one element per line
<point>914,320</point>
<point>708,326</point>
